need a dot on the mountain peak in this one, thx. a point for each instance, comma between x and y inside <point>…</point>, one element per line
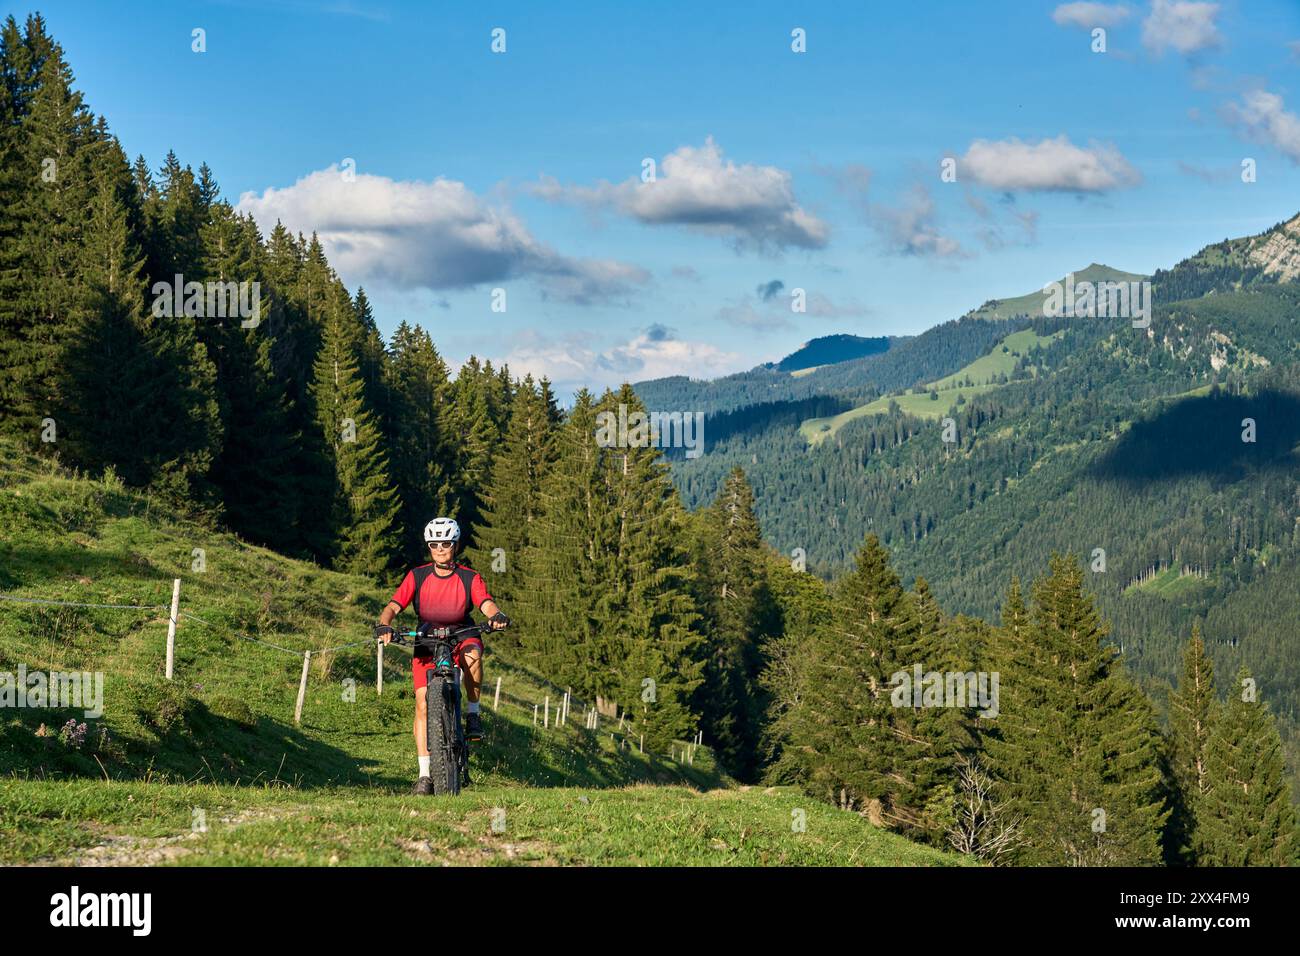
<point>1031,303</point>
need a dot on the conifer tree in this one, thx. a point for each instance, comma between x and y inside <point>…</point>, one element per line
<point>650,646</point>
<point>1075,749</point>
<point>802,609</point>
<point>942,728</point>
<point>108,366</point>
<point>734,596</point>
<point>294,285</point>
<point>478,442</point>
<point>556,607</point>
<point>1245,816</point>
<point>843,741</point>
<point>512,501</point>
<point>254,466</point>
<point>421,433</point>
<point>365,506</point>
<point>371,359</point>
<point>1192,708</point>
<point>47,180</point>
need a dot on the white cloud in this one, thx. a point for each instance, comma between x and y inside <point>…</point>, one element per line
<point>696,188</point>
<point>1049,165</point>
<point>576,360</point>
<point>1182,26</point>
<point>910,228</point>
<point>1264,118</point>
<point>1089,15</point>
<point>432,235</point>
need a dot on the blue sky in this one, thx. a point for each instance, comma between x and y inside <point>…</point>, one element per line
<point>819,170</point>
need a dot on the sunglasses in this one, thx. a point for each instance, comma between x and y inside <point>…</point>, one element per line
<point>442,544</point>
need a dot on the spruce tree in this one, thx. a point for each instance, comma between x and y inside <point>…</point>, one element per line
<point>1245,816</point>
<point>371,359</point>
<point>1192,710</point>
<point>556,605</point>
<point>108,366</point>
<point>733,595</point>
<point>254,467</point>
<point>48,187</point>
<point>365,507</point>
<point>295,286</point>
<point>421,433</point>
<point>845,741</point>
<point>650,645</point>
<point>512,500</point>
<point>942,728</point>
<point>802,608</point>
<point>1075,749</point>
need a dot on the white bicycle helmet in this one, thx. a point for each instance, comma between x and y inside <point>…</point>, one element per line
<point>442,529</point>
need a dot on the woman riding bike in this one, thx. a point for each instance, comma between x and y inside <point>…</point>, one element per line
<point>444,593</point>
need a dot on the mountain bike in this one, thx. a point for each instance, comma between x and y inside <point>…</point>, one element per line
<point>448,748</point>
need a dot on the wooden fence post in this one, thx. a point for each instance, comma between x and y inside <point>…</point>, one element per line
<point>534,715</point>
<point>546,722</point>
<point>171,625</point>
<point>302,687</point>
<point>379,668</point>
<point>496,698</point>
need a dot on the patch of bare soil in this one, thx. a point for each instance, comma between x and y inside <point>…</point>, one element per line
<point>126,850</point>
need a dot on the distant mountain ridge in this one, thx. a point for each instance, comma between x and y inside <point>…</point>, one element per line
<point>830,349</point>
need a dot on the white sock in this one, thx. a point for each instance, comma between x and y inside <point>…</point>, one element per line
<point>424,766</point>
<point>473,707</point>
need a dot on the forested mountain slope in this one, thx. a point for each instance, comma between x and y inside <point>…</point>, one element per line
<point>1131,442</point>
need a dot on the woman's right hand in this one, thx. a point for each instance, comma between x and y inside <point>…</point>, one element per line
<point>383,633</point>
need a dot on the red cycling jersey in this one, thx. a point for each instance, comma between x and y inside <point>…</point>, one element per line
<point>442,599</point>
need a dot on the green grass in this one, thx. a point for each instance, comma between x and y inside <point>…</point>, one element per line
<point>1031,303</point>
<point>980,372</point>
<point>221,736</point>
<point>1001,361</point>
<point>151,824</point>
<point>1168,584</point>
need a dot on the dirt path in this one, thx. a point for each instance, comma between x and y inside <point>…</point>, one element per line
<point>126,850</point>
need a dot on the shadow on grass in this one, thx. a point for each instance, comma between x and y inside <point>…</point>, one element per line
<point>202,747</point>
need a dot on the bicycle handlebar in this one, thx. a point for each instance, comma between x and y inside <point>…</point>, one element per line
<point>449,632</point>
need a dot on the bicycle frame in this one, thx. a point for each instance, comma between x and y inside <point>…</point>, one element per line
<point>443,729</point>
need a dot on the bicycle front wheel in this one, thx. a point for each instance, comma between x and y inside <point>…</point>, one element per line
<point>441,731</point>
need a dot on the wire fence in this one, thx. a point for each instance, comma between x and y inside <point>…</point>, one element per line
<point>547,713</point>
